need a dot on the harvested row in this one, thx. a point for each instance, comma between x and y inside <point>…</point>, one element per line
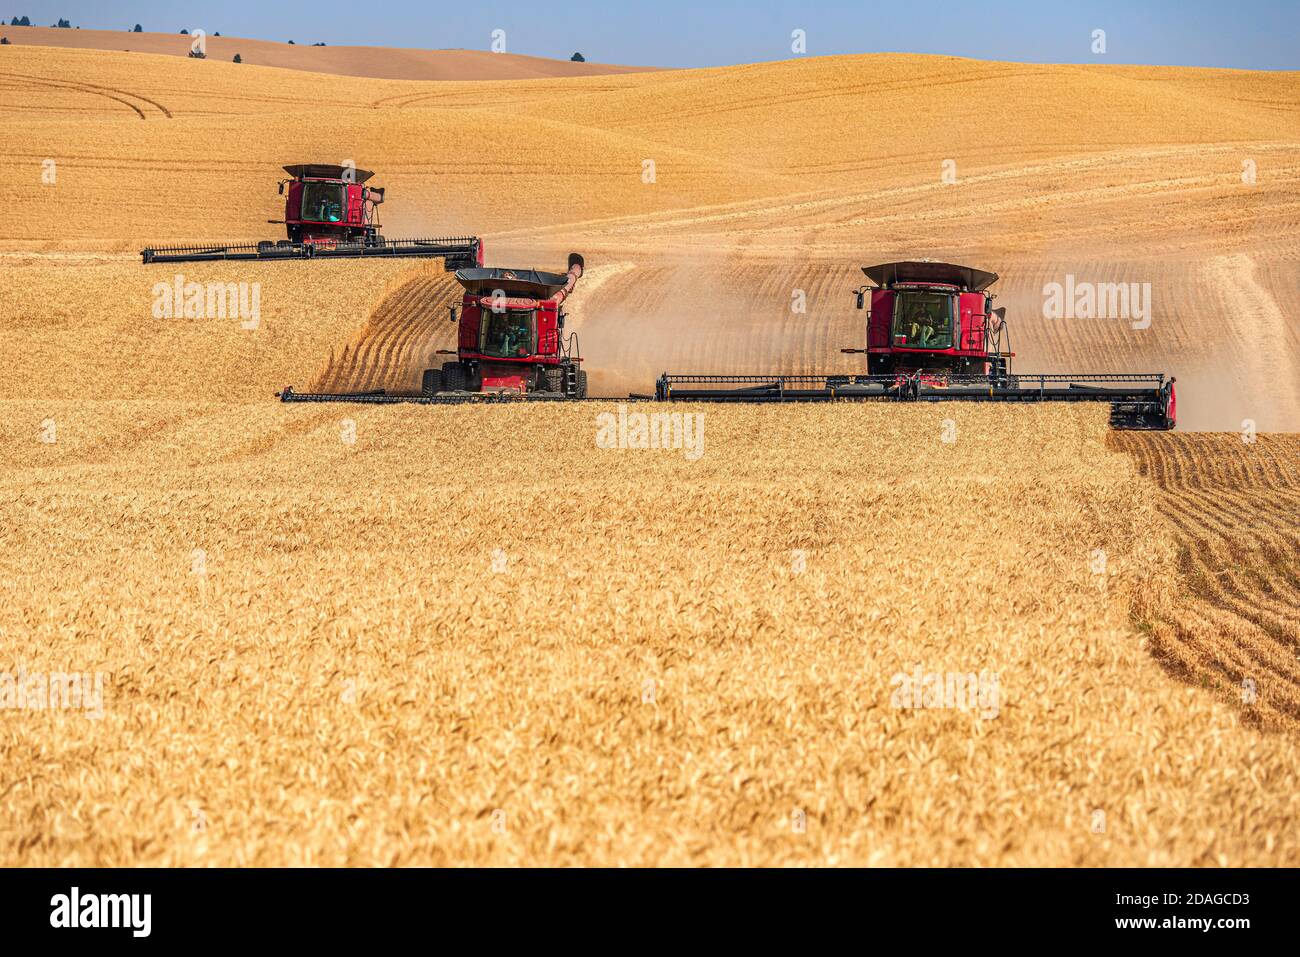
<point>1234,509</point>
<point>399,339</point>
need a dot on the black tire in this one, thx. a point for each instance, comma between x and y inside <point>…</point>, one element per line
<point>432,382</point>
<point>582,384</point>
<point>454,378</point>
<point>553,379</point>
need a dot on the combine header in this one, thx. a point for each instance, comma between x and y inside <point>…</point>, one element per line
<point>933,336</point>
<point>329,212</point>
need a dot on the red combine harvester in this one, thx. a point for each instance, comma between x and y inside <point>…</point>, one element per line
<point>329,211</point>
<point>933,335</point>
<point>511,335</point>
<point>510,343</point>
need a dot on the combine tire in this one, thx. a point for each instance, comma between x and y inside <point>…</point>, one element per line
<point>454,378</point>
<point>582,384</point>
<point>432,383</point>
<point>553,379</point>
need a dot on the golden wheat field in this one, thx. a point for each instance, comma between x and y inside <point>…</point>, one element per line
<point>344,634</point>
<point>473,636</point>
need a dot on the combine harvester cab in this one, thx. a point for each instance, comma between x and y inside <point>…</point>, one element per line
<point>933,335</point>
<point>511,335</point>
<point>933,318</point>
<point>329,212</point>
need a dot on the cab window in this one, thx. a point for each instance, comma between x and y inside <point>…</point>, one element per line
<point>923,320</point>
<point>507,334</point>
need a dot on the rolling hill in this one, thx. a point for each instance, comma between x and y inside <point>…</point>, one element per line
<point>360,635</point>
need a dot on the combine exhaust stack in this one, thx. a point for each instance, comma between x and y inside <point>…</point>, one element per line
<point>576,265</point>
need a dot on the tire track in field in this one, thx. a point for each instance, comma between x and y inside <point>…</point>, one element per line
<point>128,104</point>
<point>402,100</point>
<point>1233,509</point>
<point>112,93</point>
<point>292,428</point>
<point>803,97</point>
<point>1271,348</point>
<point>845,215</point>
<point>461,99</point>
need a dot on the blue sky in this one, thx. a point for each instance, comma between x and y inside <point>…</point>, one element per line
<point>1249,34</point>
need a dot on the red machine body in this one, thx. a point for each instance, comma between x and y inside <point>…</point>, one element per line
<point>510,335</point>
<point>931,317</point>
<point>330,204</point>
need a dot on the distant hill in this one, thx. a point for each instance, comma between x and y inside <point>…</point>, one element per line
<point>379,62</point>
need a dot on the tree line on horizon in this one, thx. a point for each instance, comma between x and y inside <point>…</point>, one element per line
<point>66,24</point>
